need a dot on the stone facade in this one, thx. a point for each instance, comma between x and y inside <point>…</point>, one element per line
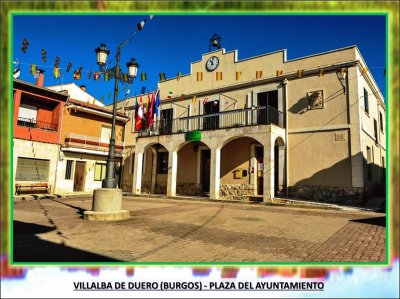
<point>160,188</point>
<point>236,191</point>
<point>190,189</point>
<point>336,195</point>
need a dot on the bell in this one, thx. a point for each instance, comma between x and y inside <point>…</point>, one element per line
<point>215,42</point>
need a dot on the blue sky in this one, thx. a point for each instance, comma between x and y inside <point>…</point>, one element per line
<point>170,43</point>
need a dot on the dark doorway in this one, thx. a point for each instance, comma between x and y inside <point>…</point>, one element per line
<point>166,121</point>
<point>79,177</point>
<point>205,171</point>
<point>260,170</point>
<point>276,169</point>
<point>211,122</point>
<point>269,100</point>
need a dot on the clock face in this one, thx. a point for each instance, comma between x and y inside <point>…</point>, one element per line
<point>212,63</point>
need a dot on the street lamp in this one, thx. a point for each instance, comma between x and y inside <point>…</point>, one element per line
<point>114,72</point>
<point>107,200</point>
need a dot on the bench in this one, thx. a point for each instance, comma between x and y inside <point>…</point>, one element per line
<point>32,187</point>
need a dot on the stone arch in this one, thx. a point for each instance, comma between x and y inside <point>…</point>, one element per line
<point>154,175</point>
<point>231,138</point>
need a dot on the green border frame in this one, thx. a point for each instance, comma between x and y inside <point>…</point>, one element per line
<point>212,8</point>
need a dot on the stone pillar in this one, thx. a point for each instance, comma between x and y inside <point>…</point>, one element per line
<point>215,173</point>
<point>268,173</point>
<point>172,171</point>
<point>137,174</point>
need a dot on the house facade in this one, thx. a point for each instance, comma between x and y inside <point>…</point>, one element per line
<point>37,128</point>
<point>84,145</point>
<point>265,126</point>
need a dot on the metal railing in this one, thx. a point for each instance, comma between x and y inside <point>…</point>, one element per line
<point>37,124</point>
<point>90,142</point>
<point>225,119</point>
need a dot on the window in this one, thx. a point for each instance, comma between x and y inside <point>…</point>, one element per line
<point>366,108</point>
<point>375,131</point>
<point>369,163</point>
<point>162,162</point>
<point>32,169</point>
<point>99,171</point>
<point>105,134</point>
<point>68,169</point>
<point>383,172</point>
<point>381,121</point>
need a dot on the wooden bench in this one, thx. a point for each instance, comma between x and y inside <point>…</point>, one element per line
<point>32,187</point>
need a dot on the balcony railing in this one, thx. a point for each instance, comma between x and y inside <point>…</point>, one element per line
<point>37,124</point>
<point>226,119</point>
<point>89,142</point>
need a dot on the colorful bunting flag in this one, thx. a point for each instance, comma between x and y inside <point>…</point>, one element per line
<point>194,99</point>
<point>199,76</point>
<point>143,90</point>
<point>218,76</point>
<point>342,70</point>
<point>17,72</point>
<point>169,94</point>
<point>141,25</point>
<point>384,72</point>
<point>182,97</point>
<point>125,77</point>
<point>235,105</point>
<point>162,76</point>
<point>57,61</point>
<point>143,77</point>
<point>178,77</point>
<point>77,74</point>
<point>279,73</point>
<point>238,74</point>
<point>205,101</point>
<point>33,69</point>
<point>258,74</point>
<point>96,76</point>
<point>25,44</point>
<point>321,73</point>
<point>56,72</point>
<point>151,17</point>
<point>105,76</point>
<point>90,75</point>
<point>44,58</point>
<point>69,66</point>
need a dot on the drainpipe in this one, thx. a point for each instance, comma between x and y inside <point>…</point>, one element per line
<point>284,83</point>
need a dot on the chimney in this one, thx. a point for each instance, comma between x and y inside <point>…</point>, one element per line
<point>83,87</point>
<point>40,78</point>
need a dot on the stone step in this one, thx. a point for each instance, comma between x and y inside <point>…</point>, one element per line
<point>255,198</point>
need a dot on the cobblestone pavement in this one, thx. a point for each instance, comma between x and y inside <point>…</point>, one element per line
<point>165,230</point>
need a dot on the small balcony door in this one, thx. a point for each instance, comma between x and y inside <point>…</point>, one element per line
<point>211,122</point>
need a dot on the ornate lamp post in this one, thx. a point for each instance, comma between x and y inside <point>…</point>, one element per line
<point>107,200</point>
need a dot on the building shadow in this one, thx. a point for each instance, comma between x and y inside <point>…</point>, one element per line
<point>28,247</point>
<point>379,221</point>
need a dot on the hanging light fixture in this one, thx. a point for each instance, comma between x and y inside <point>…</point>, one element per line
<point>102,53</point>
<point>132,67</point>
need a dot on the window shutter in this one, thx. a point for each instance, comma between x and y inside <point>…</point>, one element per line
<point>32,169</point>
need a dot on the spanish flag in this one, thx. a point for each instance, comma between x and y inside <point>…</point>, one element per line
<point>258,74</point>
<point>218,76</point>
<point>199,76</point>
<point>238,74</point>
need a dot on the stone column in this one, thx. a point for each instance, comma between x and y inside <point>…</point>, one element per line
<point>215,173</point>
<point>268,173</point>
<point>137,174</point>
<point>172,171</point>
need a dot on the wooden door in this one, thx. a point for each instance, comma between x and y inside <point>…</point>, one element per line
<point>79,177</point>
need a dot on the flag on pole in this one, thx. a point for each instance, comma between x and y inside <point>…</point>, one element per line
<point>139,115</point>
<point>238,74</point>
<point>157,103</point>
<point>150,110</point>
<point>162,76</point>
<point>143,77</point>
<point>299,73</point>
<point>218,76</point>
<point>199,76</point>
<point>258,74</point>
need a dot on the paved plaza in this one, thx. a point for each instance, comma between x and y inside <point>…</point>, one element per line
<point>166,230</point>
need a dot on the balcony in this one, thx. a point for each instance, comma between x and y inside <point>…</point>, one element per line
<point>73,140</point>
<point>226,119</point>
<point>36,124</point>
